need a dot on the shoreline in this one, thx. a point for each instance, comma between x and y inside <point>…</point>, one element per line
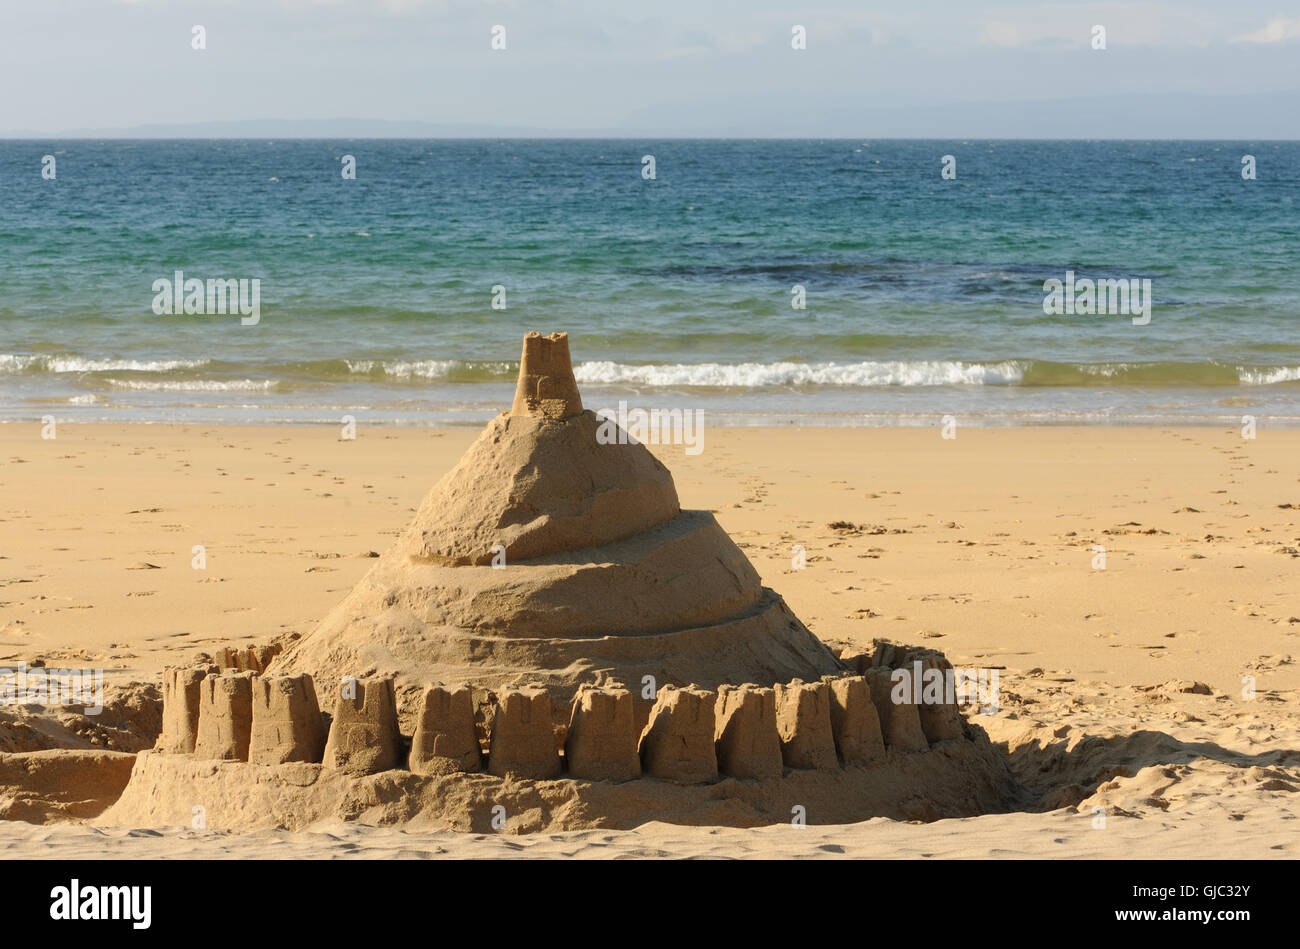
<point>729,422</point>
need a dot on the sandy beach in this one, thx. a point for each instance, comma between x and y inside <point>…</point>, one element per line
<point>1138,676</point>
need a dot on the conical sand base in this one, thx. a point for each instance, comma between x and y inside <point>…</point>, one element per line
<point>547,557</point>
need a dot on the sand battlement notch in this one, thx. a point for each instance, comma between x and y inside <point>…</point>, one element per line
<point>445,741</point>
<point>363,736</point>
<point>287,723</point>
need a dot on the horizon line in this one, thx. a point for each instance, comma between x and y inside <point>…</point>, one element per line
<point>4,136</point>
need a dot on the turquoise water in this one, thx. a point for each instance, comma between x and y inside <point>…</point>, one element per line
<point>924,296</point>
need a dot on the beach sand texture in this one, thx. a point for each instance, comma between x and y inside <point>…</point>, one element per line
<point>1120,687</point>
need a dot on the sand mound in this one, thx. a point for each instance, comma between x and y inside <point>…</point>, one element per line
<point>553,556</point>
<point>129,721</point>
<point>537,486</point>
<point>61,784</point>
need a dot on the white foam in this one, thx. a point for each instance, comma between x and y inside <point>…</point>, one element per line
<point>1105,370</point>
<point>757,375</point>
<point>195,385</point>
<point>14,363</point>
<point>1268,377</point>
<point>421,369</point>
<point>74,364</point>
<point>11,362</point>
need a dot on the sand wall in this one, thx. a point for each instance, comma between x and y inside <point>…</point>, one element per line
<point>744,754</point>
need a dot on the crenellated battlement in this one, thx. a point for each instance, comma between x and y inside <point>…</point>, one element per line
<point>691,735</point>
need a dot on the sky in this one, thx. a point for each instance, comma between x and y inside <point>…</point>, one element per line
<point>923,68</point>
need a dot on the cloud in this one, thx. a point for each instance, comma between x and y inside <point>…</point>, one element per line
<point>1278,30</point>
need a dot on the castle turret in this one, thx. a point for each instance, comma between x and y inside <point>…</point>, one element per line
<point>546,384</point>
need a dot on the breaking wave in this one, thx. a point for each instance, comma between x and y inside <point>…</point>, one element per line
<point>760,375</point>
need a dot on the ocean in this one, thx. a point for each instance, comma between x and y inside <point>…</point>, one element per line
<point>922,296</point>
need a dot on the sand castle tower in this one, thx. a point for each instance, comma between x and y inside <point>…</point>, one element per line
<point>545,557</point>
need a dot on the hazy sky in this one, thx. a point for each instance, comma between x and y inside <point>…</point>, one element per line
<point>942,68</point>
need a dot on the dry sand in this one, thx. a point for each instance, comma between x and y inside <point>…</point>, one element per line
<point>980,546</point>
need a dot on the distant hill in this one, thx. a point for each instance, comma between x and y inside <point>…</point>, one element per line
<point>1255,117</point>
<point>305,128</point>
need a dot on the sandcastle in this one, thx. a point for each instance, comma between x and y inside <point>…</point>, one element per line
<point>612,659</point>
